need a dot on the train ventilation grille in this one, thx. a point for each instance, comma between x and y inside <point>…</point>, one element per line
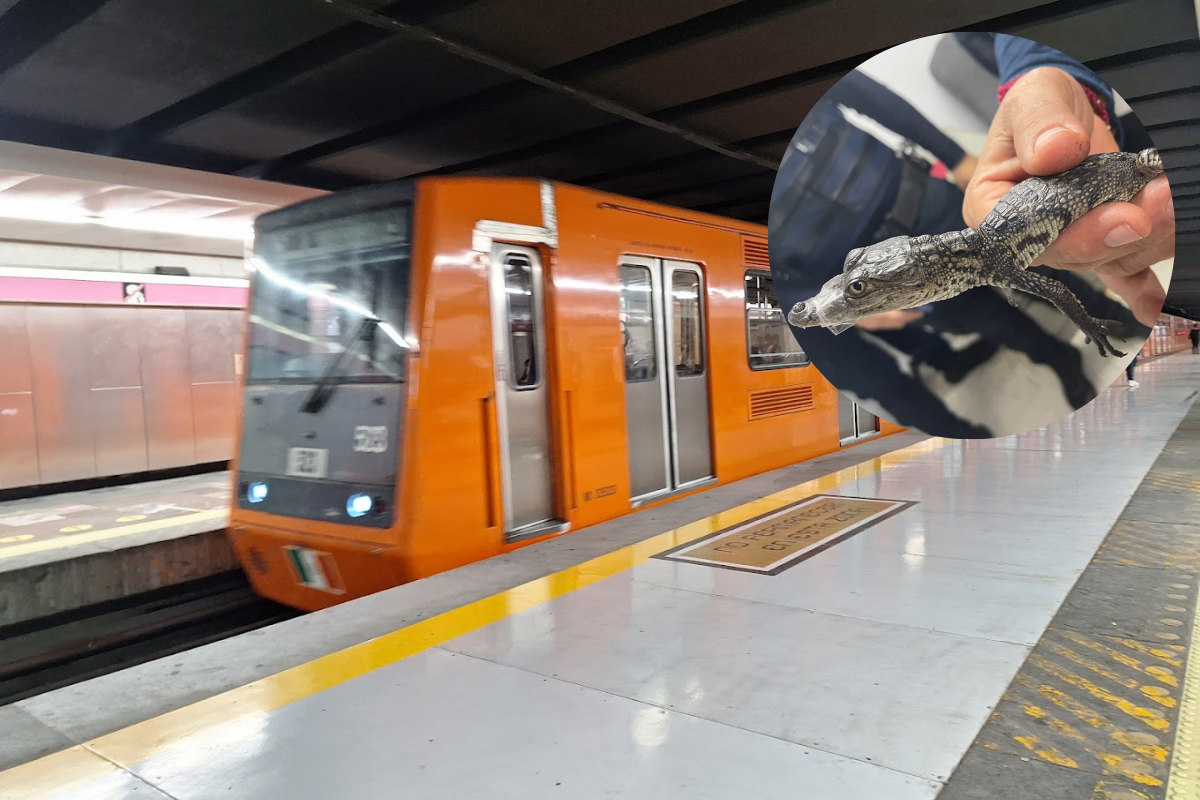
<point>780,400</point>
<point>754,253</point>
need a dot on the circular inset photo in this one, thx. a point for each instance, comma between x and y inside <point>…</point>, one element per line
<point>972,235</point>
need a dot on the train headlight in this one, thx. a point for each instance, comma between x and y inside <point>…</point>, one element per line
<point>359,505</point>
<point>256,492</point>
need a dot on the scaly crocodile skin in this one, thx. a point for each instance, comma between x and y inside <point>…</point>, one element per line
<point>906,272</point>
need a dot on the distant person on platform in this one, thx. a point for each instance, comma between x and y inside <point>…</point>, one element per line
<point>1129,379</point>
<point>1194,333</point>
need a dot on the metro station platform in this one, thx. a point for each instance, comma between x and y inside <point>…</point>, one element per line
<point>68,551</point>
<point>1007,618</point>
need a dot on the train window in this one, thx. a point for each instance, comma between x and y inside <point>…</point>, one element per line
<point>328,301</point>
<point>769,340</point>
<point>685,300</point>
<point>524,369</point>
<point>637,324</point>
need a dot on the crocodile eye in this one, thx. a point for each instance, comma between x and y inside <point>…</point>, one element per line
<point>855,288</point>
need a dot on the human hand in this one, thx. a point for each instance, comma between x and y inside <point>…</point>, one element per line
<point>965,169</point>
<point>889,320</point>
<point>1045,126</point>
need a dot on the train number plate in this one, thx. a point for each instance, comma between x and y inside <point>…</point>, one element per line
<point>370,439</point>
<point>307,462</point>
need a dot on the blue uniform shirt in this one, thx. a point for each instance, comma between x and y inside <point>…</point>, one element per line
<point>1016,56</point>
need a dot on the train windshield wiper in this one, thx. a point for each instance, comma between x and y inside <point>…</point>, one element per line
<point>323,389</point>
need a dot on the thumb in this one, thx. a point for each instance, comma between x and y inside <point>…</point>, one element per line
<point>1050,120</point>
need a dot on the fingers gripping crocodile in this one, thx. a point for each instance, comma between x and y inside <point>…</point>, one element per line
<point>906,272</point>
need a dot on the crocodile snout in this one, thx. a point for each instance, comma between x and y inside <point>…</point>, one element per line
<point>799,316</point>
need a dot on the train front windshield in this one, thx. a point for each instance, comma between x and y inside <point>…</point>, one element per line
<point>329,301</point>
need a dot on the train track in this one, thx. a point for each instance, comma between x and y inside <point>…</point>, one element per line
<point>50,653</point>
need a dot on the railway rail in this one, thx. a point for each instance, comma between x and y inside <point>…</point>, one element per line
<point>40,655</point>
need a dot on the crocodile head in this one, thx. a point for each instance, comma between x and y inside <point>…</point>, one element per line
<point>882,277</point>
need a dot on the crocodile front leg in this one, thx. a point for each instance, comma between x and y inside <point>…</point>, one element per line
<point>1065,301</point>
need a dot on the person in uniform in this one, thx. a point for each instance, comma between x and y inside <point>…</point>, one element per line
<point>839,187</point>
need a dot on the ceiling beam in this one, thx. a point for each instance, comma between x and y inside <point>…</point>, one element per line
<point>304,59</point>
<point>29,26</point>
<point>1164,108</point>
<point>719,206</point>
<point>689,32</point>
<point>1187,203</point>
<point>544,148</point>
<point>714,23</point>
<point>759,141</point>
<point>20,128</point>
<point>1181,175</point>
<point>826,72</point>
<point>1138,57</point>
<point>1175,134</point>
<point>573,92</point>
<point>749,210</point>
<point>669,195</point>
<point>1190,188</point>
<point>530,151</point>
<point>1175,157</point>
<point>592,135</point>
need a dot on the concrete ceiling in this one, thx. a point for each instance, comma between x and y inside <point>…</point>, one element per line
<point>689,102</point>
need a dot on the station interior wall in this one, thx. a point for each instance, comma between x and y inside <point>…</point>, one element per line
<point>1170,335</point>
<point>99,391</point>
<point>44,255</point>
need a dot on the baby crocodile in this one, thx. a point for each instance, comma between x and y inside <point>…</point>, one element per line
<point>906,272</point>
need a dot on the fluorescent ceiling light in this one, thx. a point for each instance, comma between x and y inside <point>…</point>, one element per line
<point>145,221</point>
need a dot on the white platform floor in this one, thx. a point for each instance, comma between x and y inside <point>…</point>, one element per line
<point>862,673</point>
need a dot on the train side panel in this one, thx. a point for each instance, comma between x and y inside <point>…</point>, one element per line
<point>596,232</point>
<point>451,461</point>
<point>450,506</point>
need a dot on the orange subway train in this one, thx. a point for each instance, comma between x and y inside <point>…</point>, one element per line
<point>443,370</point>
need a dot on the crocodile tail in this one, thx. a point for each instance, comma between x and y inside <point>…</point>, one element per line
<point>1149,162</point>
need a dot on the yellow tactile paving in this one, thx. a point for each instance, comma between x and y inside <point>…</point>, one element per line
<point>1184,780</point>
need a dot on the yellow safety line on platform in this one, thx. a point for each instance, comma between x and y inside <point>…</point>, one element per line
<point>1183,779</point>
<point>202,725</point>
<point>110,533</point>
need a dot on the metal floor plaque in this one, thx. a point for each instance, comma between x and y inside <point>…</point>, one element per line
<point>773,542</point>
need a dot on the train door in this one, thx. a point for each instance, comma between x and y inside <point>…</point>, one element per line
<point>666,377</point>
<point>854,421</point>
<point>522,394</point>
